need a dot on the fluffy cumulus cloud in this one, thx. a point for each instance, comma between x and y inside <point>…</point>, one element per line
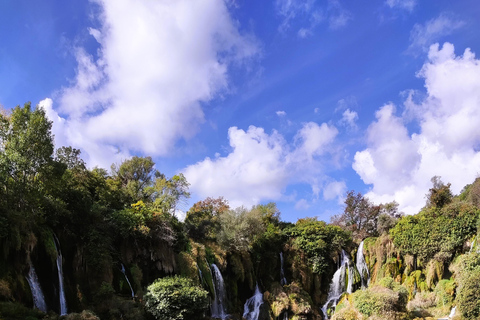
<point>142,91</point>
<point>422,36</point>
<point>399,164</point>
<point>261,165</point>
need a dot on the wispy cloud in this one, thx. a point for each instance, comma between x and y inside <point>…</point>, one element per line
<point>422,36</point>
<point>306,15</point>
<point>157,62</point>
<point>407,5</point>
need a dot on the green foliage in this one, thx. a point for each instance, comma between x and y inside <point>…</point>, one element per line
<point>319,241</point>
<point>377,300</point>
<point>468,291</point>
<point>359,217</point>
<point>239,228</point>
<point>436,233</point>
<point>16,311</point>
<point>175,298</point>
<point>202,220</point>
<point>440,194</point>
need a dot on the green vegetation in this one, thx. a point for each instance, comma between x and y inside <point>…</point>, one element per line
<point>420,266</point>
<point>176,298</point>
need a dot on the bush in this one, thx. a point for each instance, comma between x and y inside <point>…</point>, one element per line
<point>468,297</point>
<point>175,298</point>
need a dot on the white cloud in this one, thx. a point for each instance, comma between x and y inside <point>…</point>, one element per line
<point>302,204</point>
<point>399,165</point>
<point>407,5</point>
<point>261,165</point>
<point>349,119</point>
<point>309,14</point>
<point>335,189</point>
<point>422,36</point>
<point>281,113</point>
<point>158,60</point>
<point>338,16</point>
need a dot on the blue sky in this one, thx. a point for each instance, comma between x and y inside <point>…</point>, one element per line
<point>288,101</point>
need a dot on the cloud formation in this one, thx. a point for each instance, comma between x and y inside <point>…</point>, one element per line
<point>422,36</point>
<point>407,5</point>
<point>157,62</point>
<point>399,164</point>
<point>261,165</point>
<point>308,14</point>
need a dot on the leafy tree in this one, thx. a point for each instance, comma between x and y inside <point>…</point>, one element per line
<point>360,216</point>
<point>239,228</point>
<point>176,298</point>
<point>26,149</point>
<point>202,219</point>
<point>439,195</point>
<point>170,193</point>
<point>319,241</point>
<point>136,177</point>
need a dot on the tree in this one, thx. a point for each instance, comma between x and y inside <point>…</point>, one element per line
<point>202,219</point>
<point>136,177</point>
<point>439,195</point>
<point>26,149</point>
<point>168,194</point>
<point>176,298</point>
<point>239,228</point>
<point>360,216</point>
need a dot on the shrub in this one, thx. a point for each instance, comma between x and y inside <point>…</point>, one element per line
<point>468,297</point>
<point>175,298</point>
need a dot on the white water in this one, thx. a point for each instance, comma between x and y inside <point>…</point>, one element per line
<point>251,309</point>
<point>362,267</point>
<point>37,294</point>
<point>125,274</point>
<point>283,280</point>
<point>218,305</point>
<point>63,301</point>
<point>452,313</point>
<point>337,286</point>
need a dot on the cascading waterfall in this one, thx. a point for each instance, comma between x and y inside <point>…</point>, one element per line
<point>362,267</point>
<point>37,294</point>
<point>452,313</point>
<point>125,274</point>
<point>337,286</point>
<point>63,301</point>
<point>283,280</point>
<point>218,305</point>
<point>251,309</point>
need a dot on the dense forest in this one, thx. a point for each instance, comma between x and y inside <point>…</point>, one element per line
<point>79,243</point>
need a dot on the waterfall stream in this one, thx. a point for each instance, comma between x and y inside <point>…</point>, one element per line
<point>337,286</point>
<point>63,301</point>
<point>37,294</point>
<point>251,309</point>
<point>362,267</point>
<point>218,305</point>
<point>130,285</point>
<point>283,280</point>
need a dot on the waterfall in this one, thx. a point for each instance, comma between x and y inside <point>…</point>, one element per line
<point>362,267</point>
<point>337,286</point>
<point>251,309</point>
<point>283,280</point>
<point>452,313</point>
<point>125,274</point>
<point>37,294</point>
<point>218,306</point>
<point>63,301</point>
<point>200,274</point>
